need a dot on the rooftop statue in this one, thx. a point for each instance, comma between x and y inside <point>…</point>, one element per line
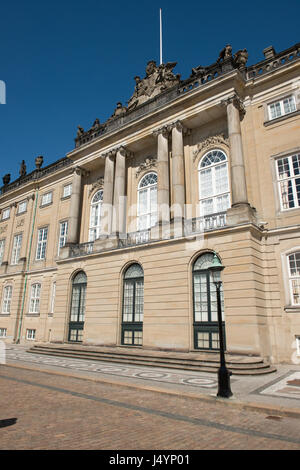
<point>226,53</point>
<point>120,109</point>
<point>96,124</point>
<point>80,131</point>
<point>157,79</point>
<point>240,58</point>
<point>22,171</point>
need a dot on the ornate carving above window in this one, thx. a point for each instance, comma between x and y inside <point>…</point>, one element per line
<point>99,184</point>
<point>146,165</point>
<point>210,142</point>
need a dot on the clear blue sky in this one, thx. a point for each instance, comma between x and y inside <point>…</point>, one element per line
<point>67,62</point>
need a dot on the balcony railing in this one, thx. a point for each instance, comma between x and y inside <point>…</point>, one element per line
<point>191,227</point>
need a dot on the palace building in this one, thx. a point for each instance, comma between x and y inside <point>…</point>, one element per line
<point>111,245</point>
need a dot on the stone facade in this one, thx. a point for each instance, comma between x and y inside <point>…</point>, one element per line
<point>148,187</point>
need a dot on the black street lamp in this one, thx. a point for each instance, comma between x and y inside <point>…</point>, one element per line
<point>224,374</point>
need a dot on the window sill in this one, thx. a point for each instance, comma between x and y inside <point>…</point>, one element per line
<point>32,314</point>
<point>4,315</point>
<point>292,308</point>
<point>281,118</point>
<point>46,205</point>
<point>63,198</point>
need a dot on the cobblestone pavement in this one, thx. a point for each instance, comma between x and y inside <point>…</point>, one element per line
<point>49,411</point>
<point>280,389</point>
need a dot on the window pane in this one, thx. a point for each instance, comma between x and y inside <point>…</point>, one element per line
<point>289,105</point>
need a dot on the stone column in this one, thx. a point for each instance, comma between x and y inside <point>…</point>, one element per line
<point>74,215</point>
<point>163,185</point>
<point>178,185</point>
<point>240,210</point>
<point>108,190</point>
<point>119,219</point>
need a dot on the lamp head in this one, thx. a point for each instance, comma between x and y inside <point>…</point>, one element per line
<point>216,268</point>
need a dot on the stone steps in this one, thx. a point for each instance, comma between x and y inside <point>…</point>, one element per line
<point>194,361</point>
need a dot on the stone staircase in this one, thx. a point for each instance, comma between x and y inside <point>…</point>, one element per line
<point>191,361</point>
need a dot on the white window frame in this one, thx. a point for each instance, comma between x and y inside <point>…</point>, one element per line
<point>281,107</point>
<point>6,301</point>
<point>22,207</point>
<point>30,334</point>
<point>293,278</point>
<point>291,178</point>
<point>298,345</point>
<point>95,213</point>
<point>5,213</point>
<point>47,198</point>
<point>16,249</point>
<point>67,190</point>
<point>52,300</point>
<point>2,248</point>
<point>3,332</point>
<point>41,244</point>
<point>214,194</point>
<point>63,233</point>
<point>35,298</point>
<point>150,214</point>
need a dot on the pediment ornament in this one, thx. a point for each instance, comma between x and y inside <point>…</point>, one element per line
<point>99,184</point>
<point>146,165</point>
<point>209,142</point>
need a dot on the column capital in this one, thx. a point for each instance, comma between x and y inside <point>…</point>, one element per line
<point>124,151</point>
<point>164,130</point>
<point>236,101</point>
<point>179,126</point>
<point>79,171</point>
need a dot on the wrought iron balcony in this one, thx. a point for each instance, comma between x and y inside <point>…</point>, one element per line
<point>190,227</point>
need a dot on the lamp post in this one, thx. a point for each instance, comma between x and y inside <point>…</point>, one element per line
<point>224,374</point>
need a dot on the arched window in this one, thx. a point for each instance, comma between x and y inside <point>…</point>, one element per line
<point>147,201</point>
<point>213,183</point>
<point>294,277</point>
<point>95,216</point>
<point>76,324</point>
<point>133,306</point>
<point>206,333</point>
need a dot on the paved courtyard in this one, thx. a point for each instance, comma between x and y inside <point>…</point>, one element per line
<point>49,411</point>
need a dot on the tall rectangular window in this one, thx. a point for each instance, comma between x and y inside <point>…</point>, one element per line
<point>288,175</point>
<point>46,199</point>
<point>6,213</point>
<point>294,277</point>
<point>6,302</point>
<point>282,107</point>
<point>22,207</point>
<point>63,232</point>
<point>15,256</point>
<point>67,191</point>
<point>34,305</point>
<point>53,293</point>
<point>3,332</point>
<point>41,243</point>
<point>2,245</point>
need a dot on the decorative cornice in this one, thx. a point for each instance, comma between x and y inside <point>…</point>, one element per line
<point>210,142</point>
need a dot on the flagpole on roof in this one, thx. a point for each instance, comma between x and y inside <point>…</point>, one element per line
<point>160,28</point>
